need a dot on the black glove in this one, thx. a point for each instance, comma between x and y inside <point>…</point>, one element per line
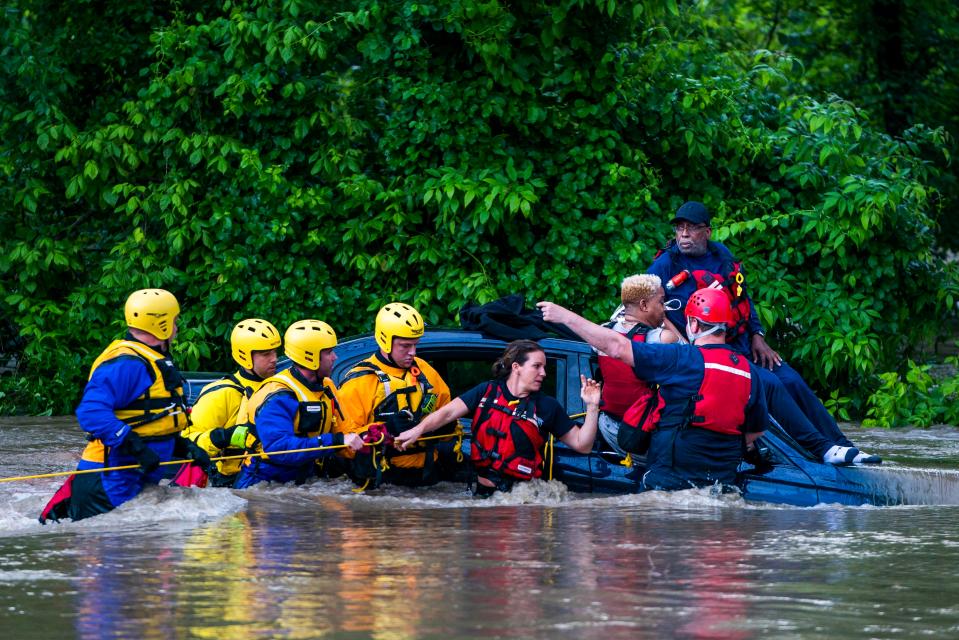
<point>186,448</point>
<point>633,439</point>
<point>133,445</point>
<point>234,437</point>
<point>220,438</point>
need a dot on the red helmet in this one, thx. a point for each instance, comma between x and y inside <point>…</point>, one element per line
<point>709,305</point>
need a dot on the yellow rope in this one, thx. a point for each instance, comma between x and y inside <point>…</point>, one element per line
<point>458,447</point>
<point>385,465</point>
<point>549,452</point>
<point>78,472</point>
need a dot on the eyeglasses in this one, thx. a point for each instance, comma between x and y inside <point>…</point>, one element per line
<point>685,227</point>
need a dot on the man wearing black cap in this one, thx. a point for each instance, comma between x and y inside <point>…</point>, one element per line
<point>691,262</point>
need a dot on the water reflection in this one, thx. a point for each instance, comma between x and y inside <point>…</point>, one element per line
<point>117,582</point>
<point>318,561</point>
<point>217,568</point>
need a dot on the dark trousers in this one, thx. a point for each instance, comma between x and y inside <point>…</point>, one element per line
<point>805,419</point>
<point>810,405</point>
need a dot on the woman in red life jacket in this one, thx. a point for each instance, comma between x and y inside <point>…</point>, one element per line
<point>512,420</point>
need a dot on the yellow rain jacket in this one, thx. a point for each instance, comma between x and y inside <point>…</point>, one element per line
<point>223,404</point>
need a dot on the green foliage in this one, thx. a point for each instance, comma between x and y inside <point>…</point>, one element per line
<point>897,60</point>
<point>320,158</point>
<point>917,398</point>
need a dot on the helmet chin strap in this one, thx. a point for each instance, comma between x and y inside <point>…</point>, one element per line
<point>389,358</point>
<point>696,335</point>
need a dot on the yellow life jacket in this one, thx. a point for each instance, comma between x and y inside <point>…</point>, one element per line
<point>161,409</point>
<point>223,404</point>
<point>318,411</point>
<point>400,402</point>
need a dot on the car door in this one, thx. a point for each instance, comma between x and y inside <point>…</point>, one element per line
<point>602,470</point>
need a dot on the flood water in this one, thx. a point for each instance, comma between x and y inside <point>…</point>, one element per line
<point>319,561</point>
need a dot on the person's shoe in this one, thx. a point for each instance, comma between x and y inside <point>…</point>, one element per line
<point>840,455</point>
<point>866,458</point>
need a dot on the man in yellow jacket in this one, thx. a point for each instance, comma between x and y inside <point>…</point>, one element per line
<point>394,389</point>
<point>219,416</point>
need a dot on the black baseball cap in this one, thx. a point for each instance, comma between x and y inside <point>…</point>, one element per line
<point>695,212</point>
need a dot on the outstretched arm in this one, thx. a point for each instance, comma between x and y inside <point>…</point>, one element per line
<point>448,413</point>
<point>606,340</point>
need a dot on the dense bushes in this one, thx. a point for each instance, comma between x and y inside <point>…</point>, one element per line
<point>317,159</point>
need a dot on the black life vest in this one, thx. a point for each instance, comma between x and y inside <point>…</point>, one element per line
<point>506,436</point>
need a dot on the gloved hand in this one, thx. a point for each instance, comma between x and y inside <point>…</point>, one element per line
<point>759,456</point>
<point>238,439</point>
<point>428,404</point>
<point>225,437</point>
<point>133,445</point>
<point>186,448</point>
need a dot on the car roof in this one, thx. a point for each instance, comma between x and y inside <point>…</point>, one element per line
<point>458,338</point>
<point>435,341</point>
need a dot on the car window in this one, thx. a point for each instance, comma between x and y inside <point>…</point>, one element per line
<point>462,373</point>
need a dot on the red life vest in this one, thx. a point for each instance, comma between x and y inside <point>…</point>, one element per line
<point>720,405</point>
<point>621,387</point>
<point>506,436</point>
<point>734,284</point>
<point>632,401</point>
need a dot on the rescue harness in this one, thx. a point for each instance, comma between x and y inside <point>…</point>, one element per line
<point>507,441</point>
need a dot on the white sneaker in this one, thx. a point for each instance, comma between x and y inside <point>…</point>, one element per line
<point>866,458</point>
<point>840,455</point>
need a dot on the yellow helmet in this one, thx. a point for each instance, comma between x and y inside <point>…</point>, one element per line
<point>153,311</point>
<point>252,335</point>
<point>305,340</point>
<point>397,320</point>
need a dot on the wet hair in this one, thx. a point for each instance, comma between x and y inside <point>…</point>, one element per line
<point>516,351</point>
<point>637,288</point>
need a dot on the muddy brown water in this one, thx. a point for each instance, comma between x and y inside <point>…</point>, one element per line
<point>320,561</point>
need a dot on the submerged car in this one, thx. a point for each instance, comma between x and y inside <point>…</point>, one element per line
<point>786,474</point>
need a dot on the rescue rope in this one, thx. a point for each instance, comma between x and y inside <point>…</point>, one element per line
<point>458,433</point>
<point>382,465</point>
<point>549,456</point>
<point>125,467</point>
